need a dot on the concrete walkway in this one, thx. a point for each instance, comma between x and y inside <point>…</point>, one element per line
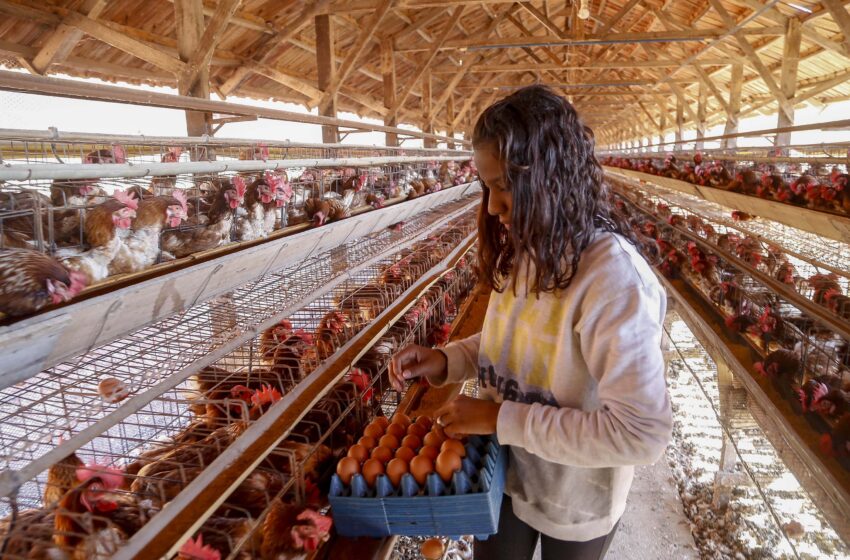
<point>654,525</point>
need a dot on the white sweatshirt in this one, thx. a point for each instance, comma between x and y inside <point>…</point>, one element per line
<point>581,374</point>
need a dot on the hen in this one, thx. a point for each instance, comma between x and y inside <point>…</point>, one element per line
<point>324,210</point>
<point>140,249</point>
<point>263,199</point>
<point>212,227</point>
<point>30,280</point>
<point>107,226</point>
<point>61,477</point>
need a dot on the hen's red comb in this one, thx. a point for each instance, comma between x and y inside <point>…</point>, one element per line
<point>127,199</point>
<point>180,196</point>
<point>266,395</point>
<point>112,478</point>
<point>197,550</point>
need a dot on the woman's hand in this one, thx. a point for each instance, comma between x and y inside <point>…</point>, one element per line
<point>415,361</point>
<point>465,415</point>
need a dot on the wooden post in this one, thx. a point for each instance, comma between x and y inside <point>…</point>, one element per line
<point>450,117</point>
<point>189,15</point>
<point>662,120</point>
<point>702,100</point>
<point>427,117</point>
<point>326,70</point>
<point>737,81</point>
<point>680,120</point>
<point>388,75</point>
<point>788,80</point>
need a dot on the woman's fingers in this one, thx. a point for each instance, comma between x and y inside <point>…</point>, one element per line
<point>403,366</point>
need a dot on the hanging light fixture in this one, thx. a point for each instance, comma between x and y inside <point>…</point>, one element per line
<point>583,10</point>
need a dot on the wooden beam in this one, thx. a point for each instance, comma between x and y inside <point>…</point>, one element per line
<point>388,73</point>
<point>469,101</point>
<point>680,121</point>
<point>840,17</point>
<point>290,81</point>
<point>189,16</point>
<point>427,116</point>
<point>326,74</point>
<point>543,19</point>
<point>618,16</point>
<point>450,117</point>
<point>125,43</point>
<point>685,35</point>
<point>735,87</point>
<point>366,32</point>
<point>272,44</point>
<point>606,65</point>
<point>648,114</point>
<point>200,59</point>
<point>63,40</point>
<point>702,100</point>
<point>788,79</point>
<point>423,66</point>
<point>705,81</point>
<point>419,23</point>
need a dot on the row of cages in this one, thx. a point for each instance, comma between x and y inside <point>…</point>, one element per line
<point>816,185</point>
<point>795,314</point>
<point>88,230</point>
<point>90,503</point>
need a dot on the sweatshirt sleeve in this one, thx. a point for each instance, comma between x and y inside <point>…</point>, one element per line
<point>621,345</point>
<point>461,361</point>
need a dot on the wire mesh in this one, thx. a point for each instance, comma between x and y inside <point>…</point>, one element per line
<point>827,253</point>
<point>838,153</point>
<point>166,443</point>
<point>803,341</point>
<point>68,399</point>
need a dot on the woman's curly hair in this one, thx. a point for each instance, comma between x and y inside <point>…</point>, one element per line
<point>557,186</point>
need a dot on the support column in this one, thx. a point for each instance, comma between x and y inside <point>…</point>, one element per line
<point>788,80</point>
<point>189,15</point>
<point>701,103</point>
<point>326,70</point>
<point>735,84</point>
<point>427,117</point>
<point>388,75</point>
<point>450,117</point>
<point>662,120</point>
<point>680,121</point>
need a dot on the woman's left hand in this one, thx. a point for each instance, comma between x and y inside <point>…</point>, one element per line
<point>465,415</point>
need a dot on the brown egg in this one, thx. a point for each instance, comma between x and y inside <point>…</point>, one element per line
<point>346,468</point>
<point>437,429</point>
<point>383,421</point>
<point>411,441</point>
<point>112,390</point>
<point>420,467</point>
<point>358,452</point>
<point>401,418</point>
<point>396,430</point>
<point>373,430</point>
<point>368,442</point>
<point>416,430</point>
<point>425,422</point>
<point>432,549</point>
<point>390,441</point>
<point>396,469</point>
<point>433,438</point>
<point>383,454</point>
<point>371,469</point>
<point>405,453</point>
<point>430,451</point>
<point>447,463</point>
<point>455,445</point>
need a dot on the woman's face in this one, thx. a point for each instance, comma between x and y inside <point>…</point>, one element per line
<point>492,178</point>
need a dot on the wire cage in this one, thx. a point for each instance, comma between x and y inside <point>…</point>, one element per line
<point>104,208</point>
<point>162,443</point>
<point>799,177</point>
<point>782,309</point>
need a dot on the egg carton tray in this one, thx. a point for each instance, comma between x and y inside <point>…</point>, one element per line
<point>468,505</point>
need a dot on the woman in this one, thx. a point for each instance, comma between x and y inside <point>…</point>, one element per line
<point>569,361</point>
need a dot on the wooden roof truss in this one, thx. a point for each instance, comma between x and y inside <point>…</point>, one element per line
<point>448,58</point>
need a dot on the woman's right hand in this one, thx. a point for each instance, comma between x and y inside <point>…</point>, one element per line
<point>416,361</point>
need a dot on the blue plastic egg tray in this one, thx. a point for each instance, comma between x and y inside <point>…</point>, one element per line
<point>469,505</point>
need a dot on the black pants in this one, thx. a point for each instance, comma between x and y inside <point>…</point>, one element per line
<point>516,541</point>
